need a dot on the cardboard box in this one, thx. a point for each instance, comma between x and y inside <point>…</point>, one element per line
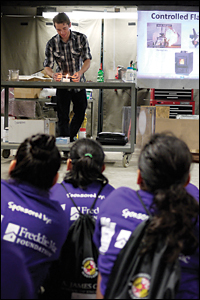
<point>26,93</point>
<point>29,93</point>
<point>19,129</point>
<point>161,111</point>
<point>187,130</point>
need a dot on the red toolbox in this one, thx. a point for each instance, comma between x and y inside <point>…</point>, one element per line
<point>180,101</point>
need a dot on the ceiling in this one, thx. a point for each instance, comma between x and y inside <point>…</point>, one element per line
<point>35,7</point>
<point>36,10</point>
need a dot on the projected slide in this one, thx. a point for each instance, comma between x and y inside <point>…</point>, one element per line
<point>163,35</point>
<point>168,49</point>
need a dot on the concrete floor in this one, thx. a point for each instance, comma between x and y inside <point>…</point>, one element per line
<point>115,172</point>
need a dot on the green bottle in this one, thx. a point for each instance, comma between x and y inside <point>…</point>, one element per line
<point>100,76</point>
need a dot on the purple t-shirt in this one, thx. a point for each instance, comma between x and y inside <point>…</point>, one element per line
<point>119,215</point>
<point>16,281</point>
<point>35,224</point>
<point>82,198</point>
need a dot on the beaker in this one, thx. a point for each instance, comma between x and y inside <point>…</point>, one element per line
<point>13,75</point>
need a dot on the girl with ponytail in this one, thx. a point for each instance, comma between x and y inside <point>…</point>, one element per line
<point>32,223</point>
<point>166,176</point>
<point>163,177</point>
<point>82,191</point>
<point>83,180</point>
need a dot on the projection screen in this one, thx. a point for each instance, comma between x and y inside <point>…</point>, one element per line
<point>168,48</point>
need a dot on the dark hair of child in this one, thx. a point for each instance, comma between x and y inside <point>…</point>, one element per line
<point>164,163</point>
<point>87,159</point>
<point>37,161</point>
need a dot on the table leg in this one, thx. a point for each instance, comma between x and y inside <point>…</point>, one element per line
<point>6,107</point>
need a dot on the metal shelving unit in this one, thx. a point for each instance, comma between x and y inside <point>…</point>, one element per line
<point>127,150</point>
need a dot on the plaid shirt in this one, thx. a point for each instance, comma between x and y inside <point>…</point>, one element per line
<point>69,56</point>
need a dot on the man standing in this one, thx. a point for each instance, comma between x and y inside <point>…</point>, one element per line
<point>71,52</point>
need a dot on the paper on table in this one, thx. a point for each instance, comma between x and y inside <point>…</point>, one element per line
<point>29,77</point>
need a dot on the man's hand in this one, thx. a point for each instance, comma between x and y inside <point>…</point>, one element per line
<point>76,77</point>
<point>55,76</point>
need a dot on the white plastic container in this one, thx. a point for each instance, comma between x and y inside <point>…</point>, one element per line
<point>82,133</point>
<point>129,75</point>
<point>19,129</point>
<point>5,135</point>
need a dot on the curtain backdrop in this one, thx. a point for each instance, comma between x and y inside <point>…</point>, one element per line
<point>120,47</point>
<point>23,42</point>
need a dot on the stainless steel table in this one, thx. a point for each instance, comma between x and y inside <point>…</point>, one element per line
<point>127,150</point>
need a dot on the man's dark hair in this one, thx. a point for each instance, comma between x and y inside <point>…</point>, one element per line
<point>61,18</point>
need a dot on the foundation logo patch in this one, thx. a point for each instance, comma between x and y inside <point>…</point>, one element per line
<point>74,215</point>
<point>11,232</point>
<point>89,268</point>
<point>139,286</point>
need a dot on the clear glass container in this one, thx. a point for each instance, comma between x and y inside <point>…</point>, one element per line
<point>13,75</point>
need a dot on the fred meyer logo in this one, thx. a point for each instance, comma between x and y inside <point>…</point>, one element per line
<point>20,235</point>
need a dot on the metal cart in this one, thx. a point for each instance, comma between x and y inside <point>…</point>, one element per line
<point>127,150</point>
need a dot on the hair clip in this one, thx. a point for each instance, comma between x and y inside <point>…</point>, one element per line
<point>88,154</point>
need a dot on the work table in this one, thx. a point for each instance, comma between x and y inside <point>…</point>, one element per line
<point>109,84</point>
